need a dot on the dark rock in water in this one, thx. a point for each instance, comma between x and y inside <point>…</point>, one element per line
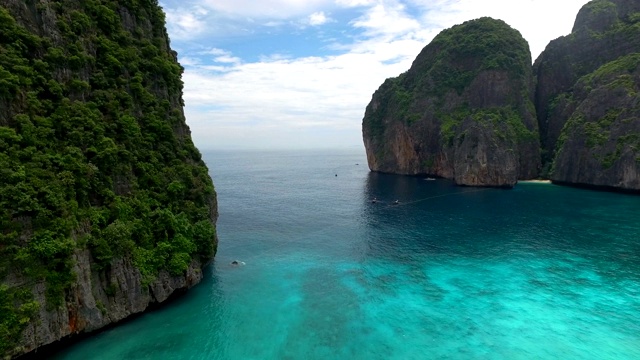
<point>587,98</point>
<point>106,207</point>
<point>463,111</point>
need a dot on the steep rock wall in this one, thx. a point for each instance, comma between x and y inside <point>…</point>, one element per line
<point>600,142</point>
<point>586,98</point>
<point>97,298</point>
<point>604,30</point>
<point>105,204</point>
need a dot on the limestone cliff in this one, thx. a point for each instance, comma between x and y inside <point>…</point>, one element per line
<point>105,204</point>
<point>463,111</point>
<point>586,98</point>
<point>600,142</point>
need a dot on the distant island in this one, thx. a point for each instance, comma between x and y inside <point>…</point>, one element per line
<point>473,109</point>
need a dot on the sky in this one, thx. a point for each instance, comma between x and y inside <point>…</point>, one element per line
<point>298,74</point>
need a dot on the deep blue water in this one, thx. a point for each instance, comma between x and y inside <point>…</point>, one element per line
<point>537,272</point>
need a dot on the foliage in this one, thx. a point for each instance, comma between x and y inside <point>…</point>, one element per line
<point>599,18</point>
<point>597,132</point>
<point>616,73</point>
<point>94,151</point>
<point>450,122</point>
<point>505,120</point>
<point>597,135</point>
<point>450,63</point>
<point>613,32</point>
<point>599,6</point>
<point>390,98</point>
<point>436,86</point>
<point>14,318</point>
<point>465,50</point>
<point>633,17</point>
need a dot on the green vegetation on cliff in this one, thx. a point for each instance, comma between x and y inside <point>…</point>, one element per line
<point>465,50</point>
<point>473,75</point>
<point>452,61</point>
<point>607,135</point>
<point>604,32</point>
<point>587,95</point>
<point>618,72</point>
<point>94,152</point>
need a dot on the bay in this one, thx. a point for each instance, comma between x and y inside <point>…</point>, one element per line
<point>539,271</point>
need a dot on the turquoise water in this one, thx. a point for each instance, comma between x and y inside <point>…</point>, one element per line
<point>537,272</point>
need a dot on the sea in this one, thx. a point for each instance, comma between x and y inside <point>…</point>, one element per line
<point>536,272</point>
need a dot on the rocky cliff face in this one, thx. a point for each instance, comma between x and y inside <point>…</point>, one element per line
<point>463,111</point>
<point>570,85</point>
<point>105,204</point>
<point>96,299</point>
<point>600,142</point>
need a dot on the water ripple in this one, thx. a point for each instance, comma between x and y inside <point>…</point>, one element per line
<point>538,272</point>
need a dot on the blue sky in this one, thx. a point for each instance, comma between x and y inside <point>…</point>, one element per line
<point>286,74</point>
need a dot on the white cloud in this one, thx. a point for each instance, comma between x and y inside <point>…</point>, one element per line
<point>274,9</point>
<point>189,61</point>
<point>287,101</point>
<point>227,59</point>
<point>220,56</point>
<point>539,21</point>
<point>318,18</point>
<point>273,23</point>
<point>186,23</point>
<point>354,3</point>
<point>284,97</point>
<point>386,18</point>
<point>217,52</point>
<point>274,57</point>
